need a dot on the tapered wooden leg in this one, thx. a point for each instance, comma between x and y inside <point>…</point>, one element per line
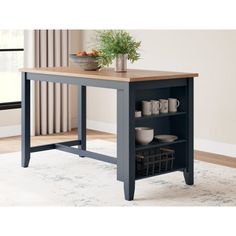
<point>188,176</point>
<point>82,116</point>
<point>25,121</point>
<point>126,141</point>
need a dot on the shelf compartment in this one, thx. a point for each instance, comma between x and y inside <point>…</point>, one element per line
<point>155,144</point>
<point>162,93</point>
<point>160,116</point>
<point>177,168</point>
<point>154,161</point>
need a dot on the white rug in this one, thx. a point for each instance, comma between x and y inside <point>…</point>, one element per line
<point>56,178</point>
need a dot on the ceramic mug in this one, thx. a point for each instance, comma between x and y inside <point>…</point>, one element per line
<point>173,104</point>
<point>156,106</point>
<point>164,106</point>
<point>146,108</point>
<point>138,113</point>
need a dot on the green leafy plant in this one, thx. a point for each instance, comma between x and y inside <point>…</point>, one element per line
<point>114,42</point>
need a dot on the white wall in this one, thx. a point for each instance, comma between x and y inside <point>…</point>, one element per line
<point>210,53</point>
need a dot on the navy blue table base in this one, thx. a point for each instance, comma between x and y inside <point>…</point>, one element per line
<point>128,95</point>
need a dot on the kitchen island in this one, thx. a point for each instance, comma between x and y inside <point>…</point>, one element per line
<point>132,88</point>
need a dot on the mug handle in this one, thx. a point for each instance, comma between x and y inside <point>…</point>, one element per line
<point>178,103</point>
<point>160,105</point>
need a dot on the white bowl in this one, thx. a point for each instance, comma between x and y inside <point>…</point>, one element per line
<point>144,135</point>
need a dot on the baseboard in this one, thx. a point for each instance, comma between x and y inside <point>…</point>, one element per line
<point>101,126</point>
<point>215,147</point>
<point>9,131</point>
<point>97,125</point>
<point>15,130</point>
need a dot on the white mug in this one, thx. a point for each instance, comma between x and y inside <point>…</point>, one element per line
<point>146,108</point>
<point>164,106</point>
<point>173,104</point>
<point>156,106</point>
<point>138,113</point>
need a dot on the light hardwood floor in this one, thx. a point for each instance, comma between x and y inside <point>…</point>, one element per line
<point>12,144</point>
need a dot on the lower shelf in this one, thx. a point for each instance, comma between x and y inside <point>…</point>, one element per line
<point>155,144</point>
<point>161,173</point>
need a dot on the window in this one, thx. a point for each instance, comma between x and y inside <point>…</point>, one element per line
<point>11,59</point>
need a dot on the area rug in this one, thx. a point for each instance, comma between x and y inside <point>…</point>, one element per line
<point>56,178</point>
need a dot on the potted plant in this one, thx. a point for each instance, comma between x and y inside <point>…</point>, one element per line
<point>118,45</point>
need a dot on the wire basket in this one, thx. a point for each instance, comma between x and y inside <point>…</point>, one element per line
<point>154,161</point>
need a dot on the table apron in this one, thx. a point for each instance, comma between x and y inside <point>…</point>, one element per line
<point>102,83</point>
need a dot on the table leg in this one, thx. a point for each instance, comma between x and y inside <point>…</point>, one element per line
<point>120,134</point>
<point>126,140</point>
<point>25,121</point>
<point>189,171</point>
<point>82,116</point>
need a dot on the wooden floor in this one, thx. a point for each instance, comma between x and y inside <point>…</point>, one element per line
<point>12,144</point>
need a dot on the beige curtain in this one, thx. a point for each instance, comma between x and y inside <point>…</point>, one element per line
<point>50,101</point>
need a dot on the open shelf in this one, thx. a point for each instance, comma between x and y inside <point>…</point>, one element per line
<point>160,115</point>
<point>178,168</point>
<point>155,144</point>
<point>149,161</point>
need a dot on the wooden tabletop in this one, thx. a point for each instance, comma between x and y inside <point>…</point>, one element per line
<point>132,75</point>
